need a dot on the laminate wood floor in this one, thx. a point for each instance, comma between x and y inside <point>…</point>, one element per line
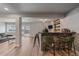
<point>27,49</point>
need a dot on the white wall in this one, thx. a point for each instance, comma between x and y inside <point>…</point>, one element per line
<point>36,27</point>
<point>72,20</point>
<point>38,24</point>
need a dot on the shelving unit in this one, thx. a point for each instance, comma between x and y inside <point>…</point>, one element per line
<point>57,25</point>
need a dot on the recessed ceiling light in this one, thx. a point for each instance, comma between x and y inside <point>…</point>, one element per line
<point>6,9</point>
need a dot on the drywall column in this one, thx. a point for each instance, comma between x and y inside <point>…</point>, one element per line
<point>18,31</point>
<point>5,27</point>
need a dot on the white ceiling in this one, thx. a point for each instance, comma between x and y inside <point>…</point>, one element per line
<point>37,8</point>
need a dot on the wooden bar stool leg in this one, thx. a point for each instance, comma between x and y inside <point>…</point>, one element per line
<point>54,49</point>
<point>68,50</point>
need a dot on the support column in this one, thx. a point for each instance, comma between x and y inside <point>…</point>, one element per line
<point>18,31</point>
<point>5,27</point>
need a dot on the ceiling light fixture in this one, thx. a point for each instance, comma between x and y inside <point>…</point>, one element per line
<point>6,9</point>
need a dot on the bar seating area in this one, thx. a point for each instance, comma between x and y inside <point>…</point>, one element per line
<point>54,42</point>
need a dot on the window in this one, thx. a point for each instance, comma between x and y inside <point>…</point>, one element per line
<point>2,27</point>
<point>25,28</point>
<point>11,27</point>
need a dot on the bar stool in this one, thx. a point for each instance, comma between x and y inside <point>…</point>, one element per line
<point>48,44</point>
<point>68,43</point>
